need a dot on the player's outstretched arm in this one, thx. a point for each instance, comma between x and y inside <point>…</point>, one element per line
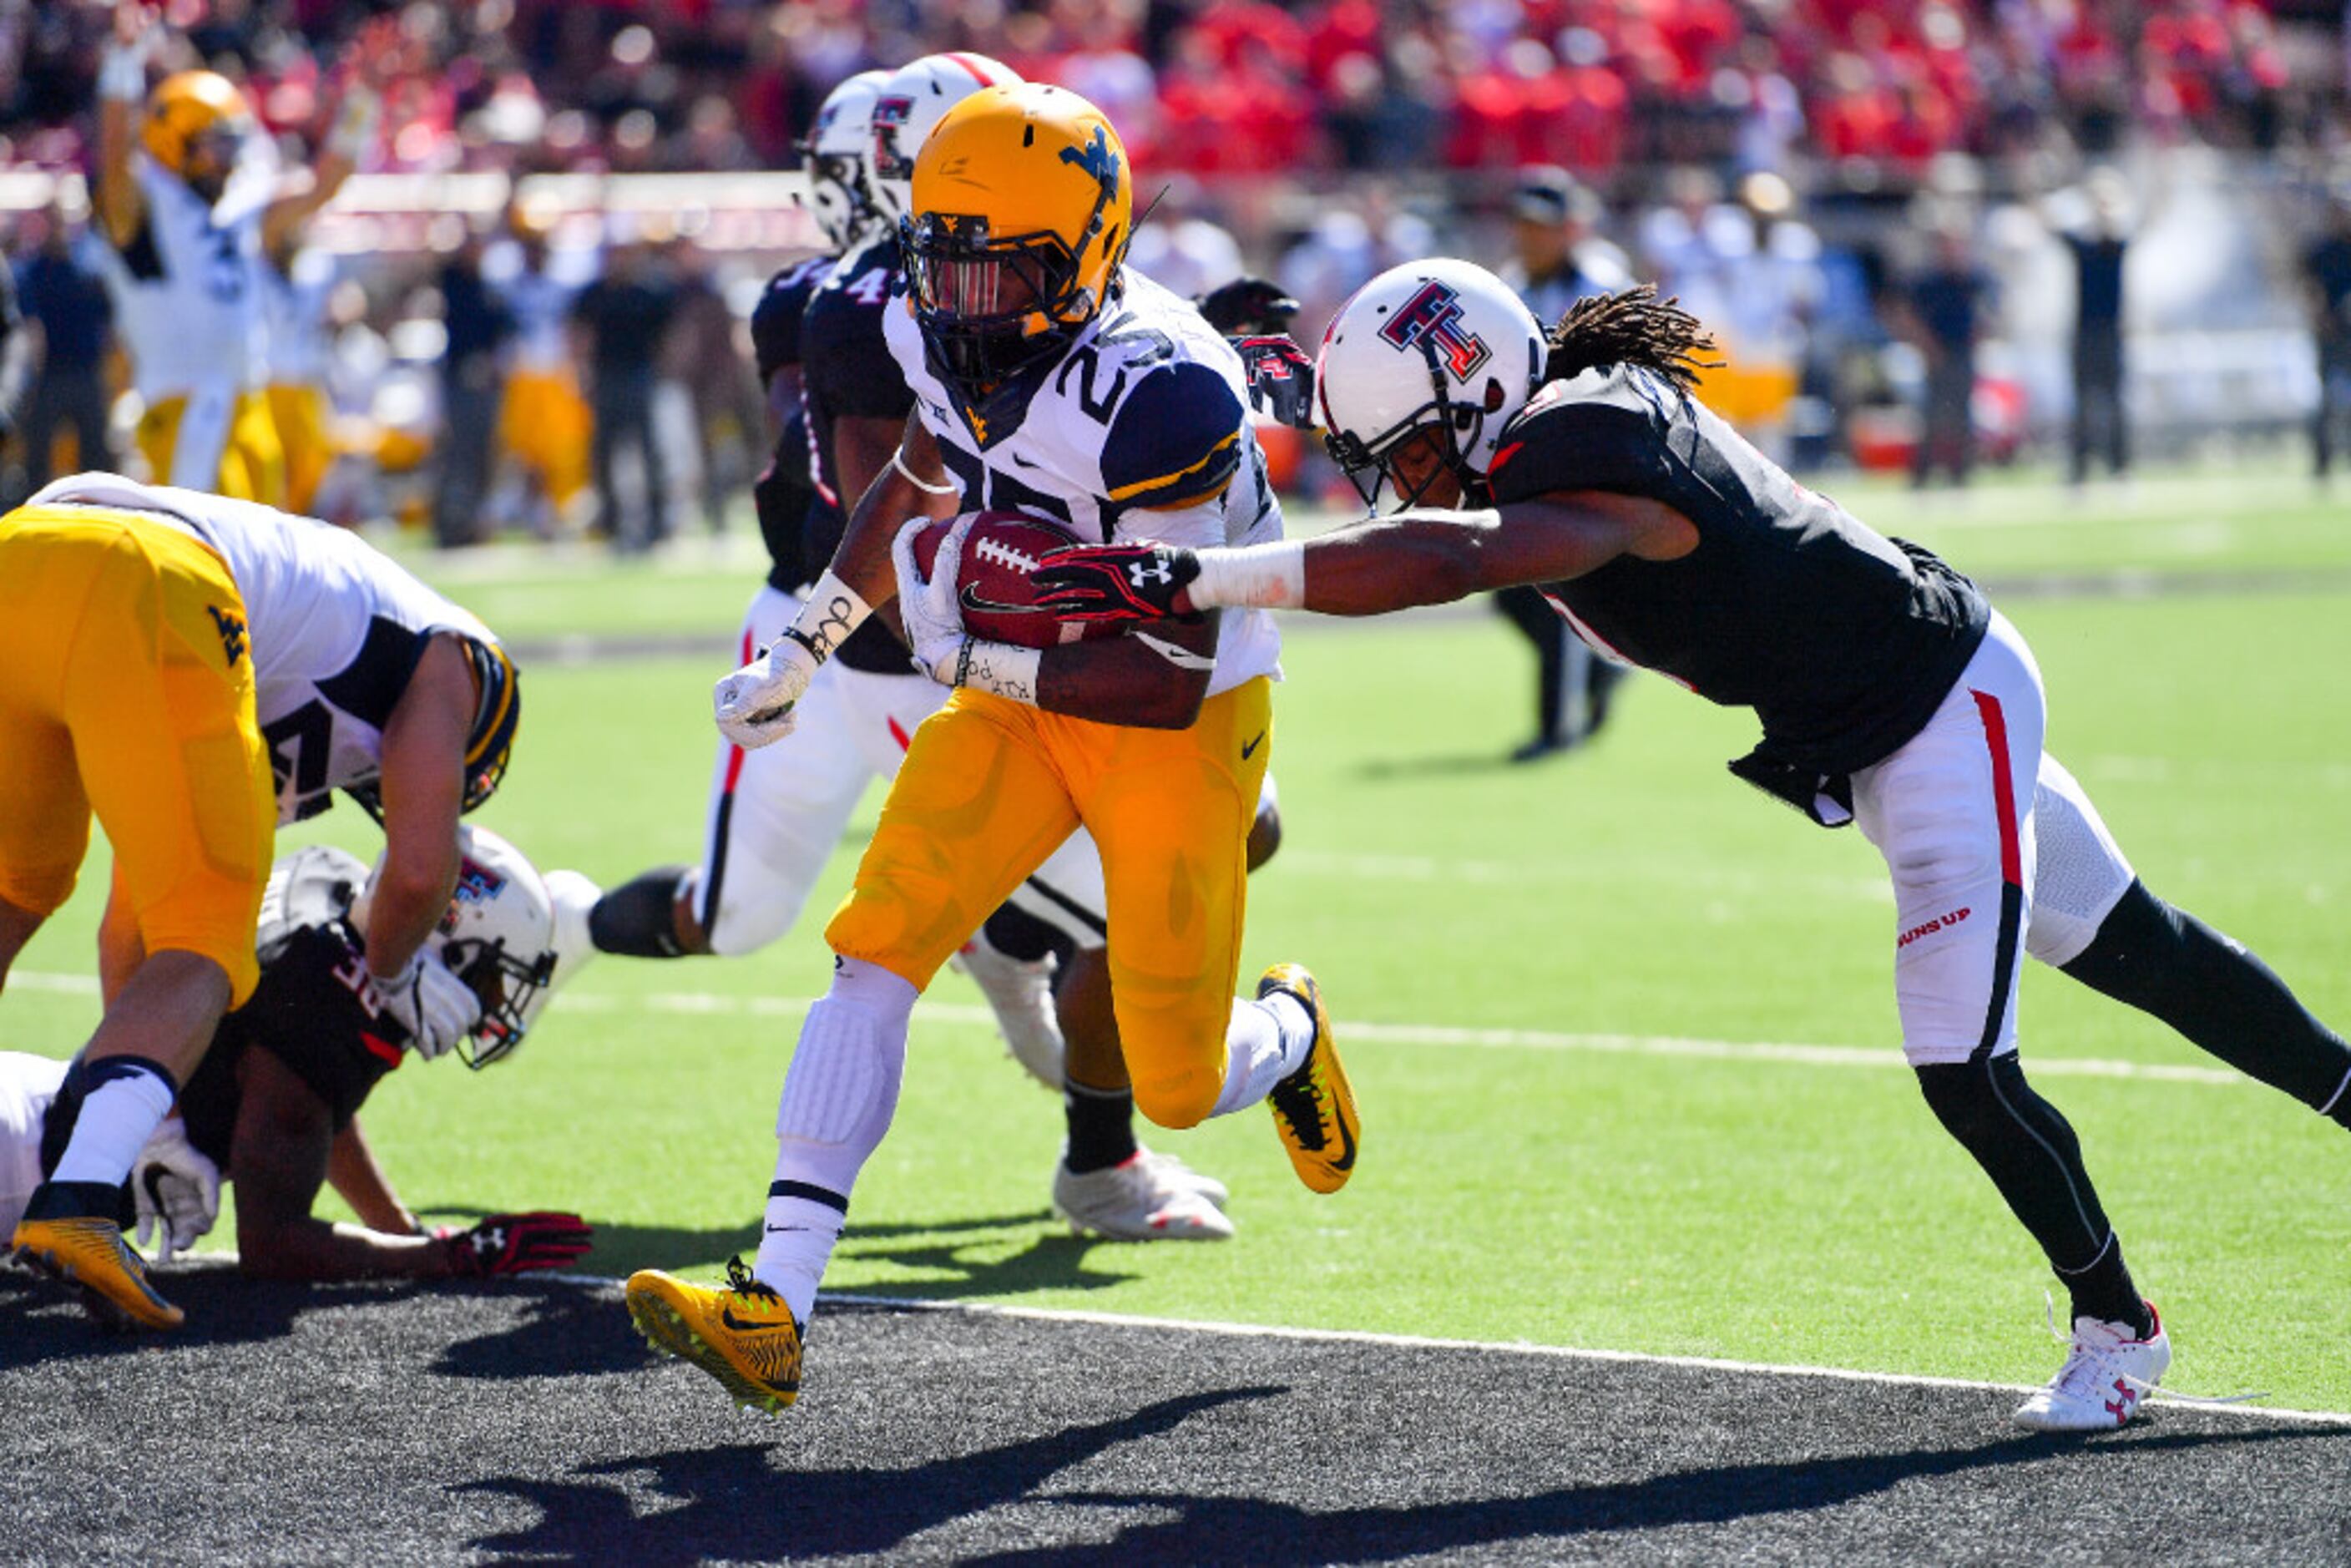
<point>360,1180</point>
<point>122,93</point>
<point>278,1159</point>
<point>1426,556</point>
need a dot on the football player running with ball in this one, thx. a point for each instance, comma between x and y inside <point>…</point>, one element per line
<point>777,814</point>
<point>1049,380</point>
<point>1890,693</point>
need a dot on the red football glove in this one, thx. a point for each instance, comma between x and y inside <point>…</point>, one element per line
<point>1280,380</point>
<point>516,1243</point>
<point>1115,582</point>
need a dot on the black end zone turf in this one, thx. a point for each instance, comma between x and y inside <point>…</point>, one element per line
<point>527,1422</point>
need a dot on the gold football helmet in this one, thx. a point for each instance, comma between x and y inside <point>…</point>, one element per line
<point>1023,205</point>
<point>188,106</point>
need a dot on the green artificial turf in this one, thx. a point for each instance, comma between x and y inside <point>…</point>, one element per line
<point>1652,1191</point>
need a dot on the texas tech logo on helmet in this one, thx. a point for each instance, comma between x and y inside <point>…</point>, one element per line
<point>1434,316</point>
<point>890,114</point>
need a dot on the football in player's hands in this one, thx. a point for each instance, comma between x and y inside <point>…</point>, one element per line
<point>992,585</point>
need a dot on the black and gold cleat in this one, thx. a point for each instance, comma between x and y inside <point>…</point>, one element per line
<point>1313,1108</point>
<point>70,1233</point>
<point>743,1335</point>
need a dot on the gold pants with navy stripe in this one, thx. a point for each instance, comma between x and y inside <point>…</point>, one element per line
<point>990,787</point>
<point>126,686</point>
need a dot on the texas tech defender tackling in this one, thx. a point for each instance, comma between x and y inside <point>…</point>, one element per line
<point>1046,378</point>
<point>1889,690</point>
<point>275,1107</point>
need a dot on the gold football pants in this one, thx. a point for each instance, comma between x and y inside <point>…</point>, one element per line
<point>990,787</point>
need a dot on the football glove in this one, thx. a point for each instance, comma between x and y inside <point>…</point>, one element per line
<point>1280,380</point>
<point>753,706</point>
<point>1116,583</point>
<point>1249,308</point>
<point>431,1004</point>
<point>516,1243</point>
<point>934,618</point>
<point>175,1191</point>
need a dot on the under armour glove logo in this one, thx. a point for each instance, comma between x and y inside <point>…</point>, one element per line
<point>1116,583</point>
<point>516,1244</point>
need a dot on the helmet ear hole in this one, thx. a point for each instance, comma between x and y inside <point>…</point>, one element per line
<point>1495,395</point>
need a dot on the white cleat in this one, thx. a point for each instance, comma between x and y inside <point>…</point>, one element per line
<point>1135,1201</point>
<point>573,896</point>
<point>1173,1172</point>
<point>1021,992</point>
<point>2108,1372</point>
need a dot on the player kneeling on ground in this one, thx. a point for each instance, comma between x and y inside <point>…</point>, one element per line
<point>273,1109</point>
<point>1890,692</point>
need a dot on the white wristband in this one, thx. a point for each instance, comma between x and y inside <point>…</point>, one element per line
<point>122,73</point>
<point>1254,577</point>
<point>898,461</point>
<point>831,613</point>
<point>1008,672</point>
<point>353,130</point>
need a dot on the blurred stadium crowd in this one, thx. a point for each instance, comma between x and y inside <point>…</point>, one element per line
<point>1922,229</point>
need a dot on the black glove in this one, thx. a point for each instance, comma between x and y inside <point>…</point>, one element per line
<point>1249,308</point>
<point>1280,380</point>
<point>516,1244</point>
<point>1115,582</point>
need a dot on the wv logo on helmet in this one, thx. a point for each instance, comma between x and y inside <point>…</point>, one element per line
<point>1433,317</point>
<point>1095,158</point>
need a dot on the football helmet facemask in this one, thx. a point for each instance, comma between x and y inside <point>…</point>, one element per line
<point>1023,209</point>
<point>497,936</point>
<point>1441,345</point>
<point>911,103</point>
<point>837,154</point>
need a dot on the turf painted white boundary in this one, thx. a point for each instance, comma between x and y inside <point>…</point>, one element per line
<point>704,1004</point>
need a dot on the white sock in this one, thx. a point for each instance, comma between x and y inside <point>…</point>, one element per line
<point>131,1100</point>
<point>838,1100</point>
<point>1267,1042</point>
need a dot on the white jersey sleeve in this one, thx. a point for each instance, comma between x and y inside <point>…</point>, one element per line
<point>335,625</point>
<point>1139,431</point>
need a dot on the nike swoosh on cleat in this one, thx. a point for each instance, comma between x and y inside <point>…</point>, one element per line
<point>1345,1162</point>
<point>1250,750</point>
<point>727,1316</point>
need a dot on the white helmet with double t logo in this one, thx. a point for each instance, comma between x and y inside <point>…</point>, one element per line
<point>1442,344</point>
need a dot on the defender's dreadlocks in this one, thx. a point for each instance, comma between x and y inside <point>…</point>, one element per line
<point>1630,326</point>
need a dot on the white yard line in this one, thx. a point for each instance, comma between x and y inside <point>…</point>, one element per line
<point>1440,1036</point>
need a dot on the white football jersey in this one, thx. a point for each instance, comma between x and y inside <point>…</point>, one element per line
<point>1147,408</point>
<point>28,1086</point>
<point>335,628</point>
<point>294,318</point>
<point>185,290</point>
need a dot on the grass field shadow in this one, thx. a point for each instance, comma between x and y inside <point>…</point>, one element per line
<point>739,1502</point>
<point>967,1261</point>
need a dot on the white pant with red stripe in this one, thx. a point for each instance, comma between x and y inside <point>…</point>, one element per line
<point>778,813</point>
<point>1995,852</point>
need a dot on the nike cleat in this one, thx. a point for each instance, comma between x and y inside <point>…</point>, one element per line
<point>743,1335</point>
<point>1313,1109</point>
<point>86,1252</point>
<point>1138,1199</point>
